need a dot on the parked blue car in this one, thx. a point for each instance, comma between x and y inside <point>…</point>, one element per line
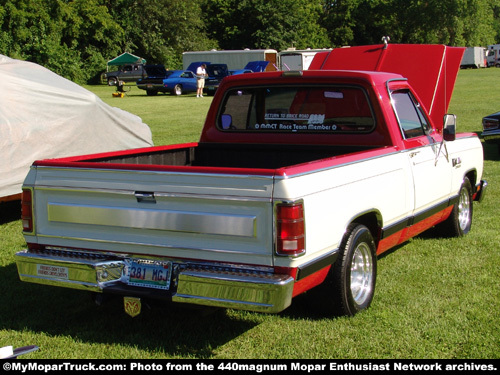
<point>176,82</point>
<point>251,67</point>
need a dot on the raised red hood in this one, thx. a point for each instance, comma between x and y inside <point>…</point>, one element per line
<point>430,69</point>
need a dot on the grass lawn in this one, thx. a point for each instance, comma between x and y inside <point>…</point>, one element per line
<point>435,298</point>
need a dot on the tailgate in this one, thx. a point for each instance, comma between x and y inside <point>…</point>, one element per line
<point>213,217</point>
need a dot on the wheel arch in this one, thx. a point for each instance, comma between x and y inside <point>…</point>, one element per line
<point>372,219</point>
<point>472,176</point>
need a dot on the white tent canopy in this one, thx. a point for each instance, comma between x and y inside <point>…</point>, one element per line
<point>43,115</point>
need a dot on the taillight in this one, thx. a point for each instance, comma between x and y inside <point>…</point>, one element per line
<point>489,124</point>
<point>27,210</point>
<point>290,229</point>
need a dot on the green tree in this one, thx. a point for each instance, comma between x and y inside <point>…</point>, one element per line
<point>452,22</point>
<point>160,30</point>
<point>89,30</point>
<point>68,37</point>
<point>339,18</point>
<point>30,29</point>
<point>75,38</point>
<point>495,6</point>
<point>275,24</point>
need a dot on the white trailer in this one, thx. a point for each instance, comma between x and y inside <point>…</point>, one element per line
<point>474,57</point>
<point>292,59</point>
<point>235,59</point>
<point>493,55</point>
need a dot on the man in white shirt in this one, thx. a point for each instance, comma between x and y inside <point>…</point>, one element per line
<point>201,73</point>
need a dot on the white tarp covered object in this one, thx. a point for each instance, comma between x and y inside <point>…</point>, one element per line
<point>43,116</point>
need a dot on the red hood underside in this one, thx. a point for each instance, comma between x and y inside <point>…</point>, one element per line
<point>430,69</point>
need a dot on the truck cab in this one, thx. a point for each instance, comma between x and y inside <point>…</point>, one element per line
<point>493,55</point>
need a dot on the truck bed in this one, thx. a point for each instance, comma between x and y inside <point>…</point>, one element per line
<point>228,155</point>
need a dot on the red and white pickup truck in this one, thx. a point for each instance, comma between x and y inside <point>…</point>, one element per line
<point>299,180</point>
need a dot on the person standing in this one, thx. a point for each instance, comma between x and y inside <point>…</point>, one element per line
<point>201,73</point>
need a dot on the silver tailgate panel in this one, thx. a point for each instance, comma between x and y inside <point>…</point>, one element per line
<point>198,216</point>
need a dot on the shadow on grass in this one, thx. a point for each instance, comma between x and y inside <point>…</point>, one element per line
<point>10,211</point>
<point>172,329</point>
<point>491,151</point>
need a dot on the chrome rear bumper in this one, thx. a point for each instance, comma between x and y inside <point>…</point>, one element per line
<point>211,286</point>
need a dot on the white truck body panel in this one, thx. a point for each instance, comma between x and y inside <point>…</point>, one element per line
<point>297,59</point>
<point>327,210</point>
<point>474,57</point>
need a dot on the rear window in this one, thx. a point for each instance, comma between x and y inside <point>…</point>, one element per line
<point>340,109</point>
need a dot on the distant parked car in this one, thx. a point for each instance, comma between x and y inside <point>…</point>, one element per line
<point>239,71</point>
<point>251,67</point>
<point>491,129</point>
<point>126,73</point>
<point>216,73</point>
<point>176,82</point>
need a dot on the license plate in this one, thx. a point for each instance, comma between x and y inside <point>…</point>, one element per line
<point>150,275</point>
<point>52,272</point>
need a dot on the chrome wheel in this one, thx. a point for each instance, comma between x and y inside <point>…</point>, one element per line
<point>361,274</point>
<point>459,222</point>
<point>464,209</point>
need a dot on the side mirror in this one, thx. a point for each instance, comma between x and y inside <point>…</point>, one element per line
<point>449,127</point>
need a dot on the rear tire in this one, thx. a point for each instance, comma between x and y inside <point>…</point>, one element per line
<point>351,281</point>
<point>459,222</point>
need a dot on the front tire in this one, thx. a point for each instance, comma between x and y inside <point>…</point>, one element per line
<point>177,90</point>
<point>352,277</point>
<point>459,222</point>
